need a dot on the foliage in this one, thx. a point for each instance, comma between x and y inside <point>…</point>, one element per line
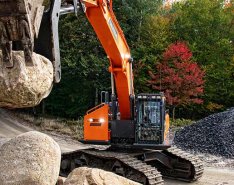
<point>146,33</point>
<point>132,15</point>
<point>178,52</point>
<point>178,77</point>
<point>208,28</point>
<point>214,106</point>
<point>156,36</point>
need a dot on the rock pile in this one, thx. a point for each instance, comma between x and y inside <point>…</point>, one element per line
<point>213,134</point>
<point>32,158</point>
<point>25,86</point>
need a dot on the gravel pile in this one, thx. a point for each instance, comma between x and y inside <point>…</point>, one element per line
<point>213,134</point>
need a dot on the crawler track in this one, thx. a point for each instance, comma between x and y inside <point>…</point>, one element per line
<point>119,163</point>
<point>193,170</point>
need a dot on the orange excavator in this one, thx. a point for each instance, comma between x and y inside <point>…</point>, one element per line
<point>134,128</point>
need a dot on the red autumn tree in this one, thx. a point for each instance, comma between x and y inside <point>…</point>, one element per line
<point>181,79</point>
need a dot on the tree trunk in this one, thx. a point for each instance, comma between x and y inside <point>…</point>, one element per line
<point>173,113</point>
<point>140,25</point>
<point>96,97</point>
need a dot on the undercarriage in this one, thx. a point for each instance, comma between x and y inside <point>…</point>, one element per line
<point>144,166</point>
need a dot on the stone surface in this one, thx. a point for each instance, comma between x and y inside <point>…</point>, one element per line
<point>61,180</point>
<point>32,158</point>
<point>25,86</point>
<point>93,176</point>
<point>213,134</point>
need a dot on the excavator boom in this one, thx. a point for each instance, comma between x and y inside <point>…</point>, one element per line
<point>105,25</point>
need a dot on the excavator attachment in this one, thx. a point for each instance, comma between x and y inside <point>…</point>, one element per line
<point>27,25</point>
<point>19,25</point>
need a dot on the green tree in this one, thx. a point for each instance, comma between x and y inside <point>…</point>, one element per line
<point>156,36</point>
<point>132,15</point>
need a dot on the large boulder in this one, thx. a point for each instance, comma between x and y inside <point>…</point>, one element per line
<point>93,176</point>
<point>32,158</point>
<point>25,86</point>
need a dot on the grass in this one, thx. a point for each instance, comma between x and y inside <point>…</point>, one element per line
<point>181,122</point>
<point>73,128</point>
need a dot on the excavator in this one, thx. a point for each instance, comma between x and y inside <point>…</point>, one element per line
<point>134,128</point>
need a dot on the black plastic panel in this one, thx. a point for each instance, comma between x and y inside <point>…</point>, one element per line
<point>122,129</point>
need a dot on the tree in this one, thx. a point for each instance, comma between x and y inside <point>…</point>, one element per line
<point>132,15</point>
<point>178,77</point>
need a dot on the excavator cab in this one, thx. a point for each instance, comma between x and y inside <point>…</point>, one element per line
<point>150,118</point>
<point>148,128</point>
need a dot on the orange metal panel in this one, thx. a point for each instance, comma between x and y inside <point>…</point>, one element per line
<point>96,124</point>
<point>90,2</point>
<point>166,130</point>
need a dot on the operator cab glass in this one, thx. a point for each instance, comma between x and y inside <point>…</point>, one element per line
<point>149,112</point>
<point>150,118</point>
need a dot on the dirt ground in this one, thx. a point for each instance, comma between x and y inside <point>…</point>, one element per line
<point>215,175</point>
<point>211,176</point>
